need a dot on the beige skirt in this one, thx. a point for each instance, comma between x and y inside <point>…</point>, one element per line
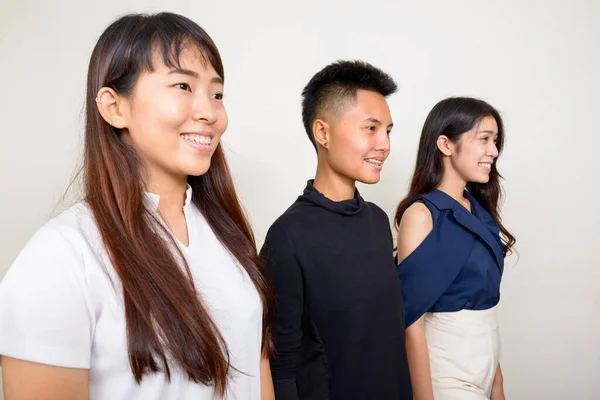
<point>464,351</point>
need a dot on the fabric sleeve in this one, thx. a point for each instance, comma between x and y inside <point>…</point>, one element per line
<point>429,270</point>
<point>45,313</point>
<point>278,255</point>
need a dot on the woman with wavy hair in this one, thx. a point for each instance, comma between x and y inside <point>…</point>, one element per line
<point>151,287</point>
<point>451,249</point>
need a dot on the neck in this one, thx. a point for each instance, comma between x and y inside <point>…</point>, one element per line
<point>171,191</point>
<point>453,185</point>
<point>333,185</point>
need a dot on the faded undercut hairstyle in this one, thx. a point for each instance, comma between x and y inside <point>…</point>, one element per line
<point>335,87</point>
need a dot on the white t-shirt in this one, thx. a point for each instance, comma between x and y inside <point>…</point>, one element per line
<point>59,307</point>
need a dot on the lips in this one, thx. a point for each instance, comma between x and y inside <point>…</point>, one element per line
<point>486,165</point>
<point>197,138</point>
<point>374,161</point>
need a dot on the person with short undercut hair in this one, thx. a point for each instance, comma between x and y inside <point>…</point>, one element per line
<point>339,324</point>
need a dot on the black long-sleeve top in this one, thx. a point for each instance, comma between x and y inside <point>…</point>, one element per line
<point>339,325</point>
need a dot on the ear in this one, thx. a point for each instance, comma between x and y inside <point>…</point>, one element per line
<point>110,106</point>
<point>445,145</point>
<point>320,131</point>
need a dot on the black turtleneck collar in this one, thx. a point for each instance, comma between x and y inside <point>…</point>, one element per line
<point>344,207</point>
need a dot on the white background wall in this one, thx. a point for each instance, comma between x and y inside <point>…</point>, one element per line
<point>537,61</point>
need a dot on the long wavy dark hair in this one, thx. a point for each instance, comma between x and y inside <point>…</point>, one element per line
<point>165,315</point>
<point>453,117</point>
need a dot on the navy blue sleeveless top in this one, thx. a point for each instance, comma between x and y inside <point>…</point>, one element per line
<point>459,264</point>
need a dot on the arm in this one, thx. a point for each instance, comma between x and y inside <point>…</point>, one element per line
<point>418,360</point>
<point>498,385</point>
<point>24,380</point>
<point>266,381</point>
<point>285,271</point>
<point>414,227</point>
<point>45,334</point>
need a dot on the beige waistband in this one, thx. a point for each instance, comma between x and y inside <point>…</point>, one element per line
<point>471,320</point>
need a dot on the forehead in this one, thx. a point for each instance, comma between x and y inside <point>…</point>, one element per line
<point>487,124</point>
<point>370,104</point>
<point>191,58</point>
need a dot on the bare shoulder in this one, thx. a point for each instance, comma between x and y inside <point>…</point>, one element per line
<point>414,227</point>
<point>417,215</point>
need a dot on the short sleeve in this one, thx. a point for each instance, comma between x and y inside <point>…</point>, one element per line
<point>45,313</point>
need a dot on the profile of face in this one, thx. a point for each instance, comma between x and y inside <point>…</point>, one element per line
<point>357,137</point>
<point>472,156</point>
<point>174,117</point>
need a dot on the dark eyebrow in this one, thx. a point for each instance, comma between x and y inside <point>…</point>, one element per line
<point>488,131</point>
<point>189,72</point>
<point>183,71</point>
<point>376,121</point>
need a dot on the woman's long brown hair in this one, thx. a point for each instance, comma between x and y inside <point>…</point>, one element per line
<point>165,315</point>
<point>452,117</point>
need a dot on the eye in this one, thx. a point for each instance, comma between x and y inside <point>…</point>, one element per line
<point>183,86</point>
<point>218,96</point>
<point>372,128</point>
<point>388,132</point>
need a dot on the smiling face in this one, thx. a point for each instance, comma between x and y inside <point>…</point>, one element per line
<point>175,117</point>
<point>358,140</point>
<point>474,153</point>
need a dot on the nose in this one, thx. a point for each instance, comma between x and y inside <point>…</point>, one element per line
<point>383,141</point>
<point>493,149</point>
<point>203,110</point>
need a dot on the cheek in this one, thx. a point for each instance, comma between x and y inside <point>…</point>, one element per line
<point>469,159</point>
<point>222,121</point>
<point>471,152</point>
<point>172,111</point>
<point>481,150</point>
<point>463,160</point>
<point>164,112</point>
<point>346,154</point>
<point>356,146</point>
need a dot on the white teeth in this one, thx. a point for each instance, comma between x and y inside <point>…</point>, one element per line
<point>486,165</point>
<point>374,162</point>
<point>198,139</point>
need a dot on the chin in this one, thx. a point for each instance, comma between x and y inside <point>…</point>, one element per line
<point>480,179</point>
<point>369,179</point>
<point>198,170</point>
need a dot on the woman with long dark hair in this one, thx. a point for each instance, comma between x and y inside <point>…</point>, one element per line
<point>150,288</point>
<point>451,249</point>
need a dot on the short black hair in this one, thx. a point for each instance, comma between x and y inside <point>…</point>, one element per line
<point>337,83</point>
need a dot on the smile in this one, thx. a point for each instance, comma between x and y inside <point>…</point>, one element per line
<point>487,166</point>
<point>201,139</point>
<point>373,161</point>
